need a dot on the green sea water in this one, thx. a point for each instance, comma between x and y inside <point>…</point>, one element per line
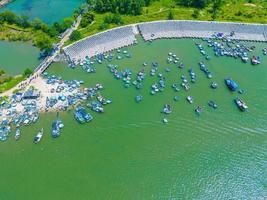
<point>128,153</point>
<point>49,11</point>
<point>15,57</point>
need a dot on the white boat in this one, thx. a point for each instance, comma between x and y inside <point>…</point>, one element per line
<point>39,136</point>
<point>241,104</point>
<point>17,134</point>
<point>190,99</point>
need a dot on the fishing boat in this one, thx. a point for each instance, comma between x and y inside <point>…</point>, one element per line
<point>214,85</point>
<point>138,98</point>
<point>78,116</point>
<point>167,109</point>
<point>241,104</point>
<point>82,116</point>
<point>17,134</point>
<point>190,99</point>
<point>255,60</point>
<point>56,126</point>
<point>39,136</point>
<point>198,110</point>
<point>244,59</point>
<point>212,104</point>
<point>231,84</point>
<point>176,98</point>
<point>97,106</point>
<point>165,121</point>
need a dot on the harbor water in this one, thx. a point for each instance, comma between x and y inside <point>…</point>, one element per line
<point>15,57</point>
<point>128,153</point>
<point>49,11</point>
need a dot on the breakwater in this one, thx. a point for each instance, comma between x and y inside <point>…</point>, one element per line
<point>125,36</point>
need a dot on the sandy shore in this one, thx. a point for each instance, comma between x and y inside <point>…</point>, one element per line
<point>45,92</point>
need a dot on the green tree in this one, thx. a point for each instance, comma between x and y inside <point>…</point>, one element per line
<point>67,23</point>
<point>27,72</point>
<point>44,42</point>
<point>216,5</point>
<point>2,72</point>
<point>87,19</point>
<point>9,17</point>
<point>103,26</point>
<point>113,19</point>
<point>195,13</point>
<point>170,16</point>
<point>75,35</point>
<point>99,6</point>
<point>23,21</point>
<point>194,3</point>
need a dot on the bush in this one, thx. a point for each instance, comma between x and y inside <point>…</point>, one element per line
<point>113,19</point>
<point>195,13</point>
<point>170,16</point>
<point>87,19</point>
<point>103,26</point>
<point>75,35</point>
<point>27,72</point>
<point>239,13</point>
<point>2,72</point>
<point>43,42</point>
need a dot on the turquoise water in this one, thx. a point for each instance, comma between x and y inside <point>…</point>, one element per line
<point>49,11</point>
<point>15,57</point>
<point>128,153</point>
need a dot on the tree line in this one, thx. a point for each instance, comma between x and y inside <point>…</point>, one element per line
<point>45,34</point>
<point>215,5</point>
<point>130,7</point>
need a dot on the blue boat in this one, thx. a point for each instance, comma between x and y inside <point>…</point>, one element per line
<point>138,98</point>
<point>82,116</point>
<point>55,130</point>
<point>56,126</point>
<point>231,84</point>
<point>79,116</point>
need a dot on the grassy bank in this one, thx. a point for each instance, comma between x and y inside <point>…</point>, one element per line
<point>11,83</point>
<point>7,82</point>
<point>235,11</point>
<point>13,33</point>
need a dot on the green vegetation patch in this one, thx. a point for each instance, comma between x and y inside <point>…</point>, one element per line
<point>153,10</point>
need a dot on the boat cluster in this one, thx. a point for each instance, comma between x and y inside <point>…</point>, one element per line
<point>87,65</point>
<point>158,86</point>
<point>23,107</point>
<point>125,74</point>
<point>202,51</point>
<point>154,69</point>
<point>16,111</point>
<point>138,82</point>
<point>225,45</point>
<point>62,93</point>
<point>204,69</point>
<point>233,86</point>
<point>172,58</point>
